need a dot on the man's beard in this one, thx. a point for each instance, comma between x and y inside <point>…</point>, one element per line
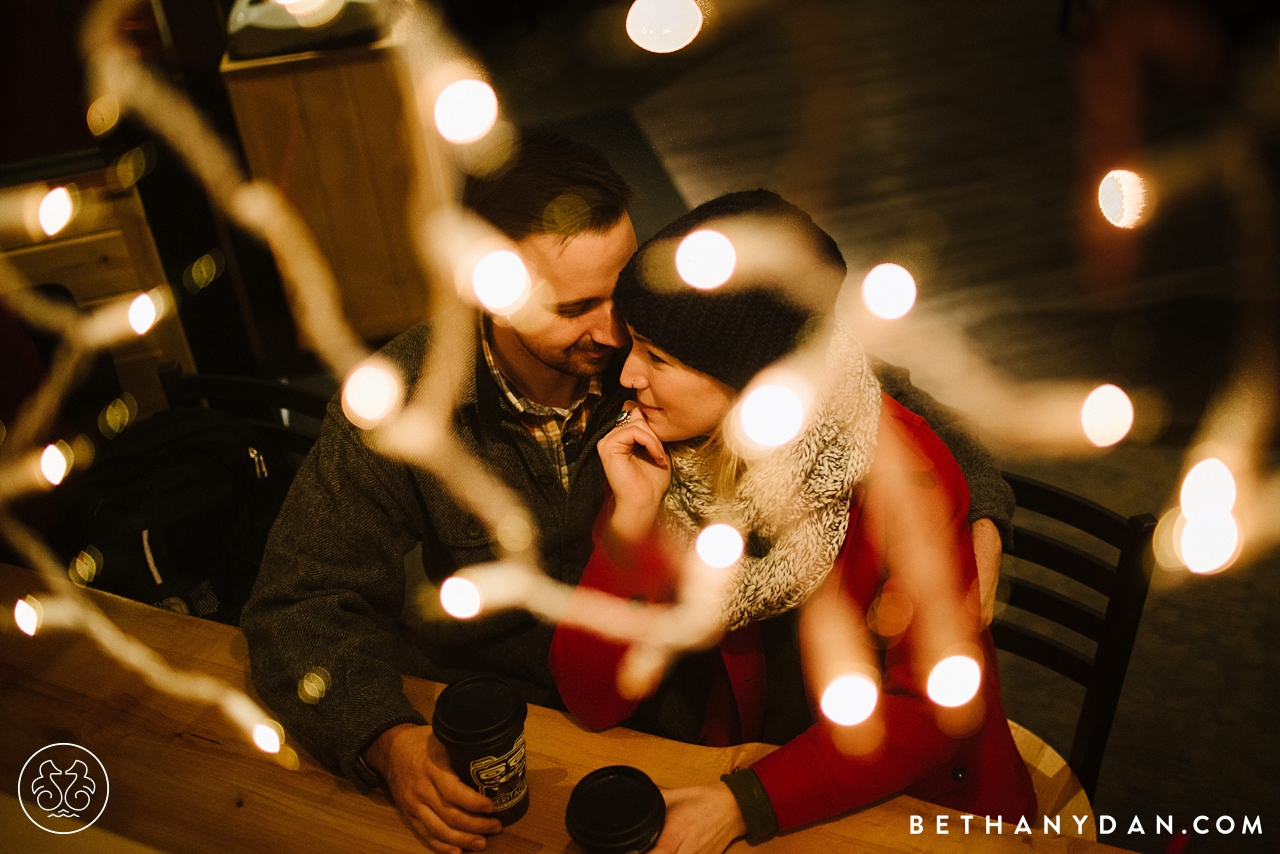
<point>585,359</point>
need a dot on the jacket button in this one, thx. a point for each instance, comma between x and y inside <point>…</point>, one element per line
<point>957,774</point>
<point>475,530</point>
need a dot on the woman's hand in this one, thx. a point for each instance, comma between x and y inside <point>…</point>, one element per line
<point>638,471</point>
<point>700,820</point>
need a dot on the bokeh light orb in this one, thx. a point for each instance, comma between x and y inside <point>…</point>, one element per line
<point>1107,415</point>
<point>889,291</point>
<point>850,699</point>
<point>466,110</point>
<point>55,461</point>
<point>460,598</point>
<point>369,395</point>
<point>267,736</point>
<point>500,281</point>
<point>706,259</point>
<point>719,545</point>
<point>55,210</point>
<point>1209,540</point>
<point>772,415</point>
<point>1208,486</point>
<point>1122,196</point>
<point>142,313</point>
<point>27,615</point>
<point>103,114</point>
<point>954,681</point>
<point>663,26</point>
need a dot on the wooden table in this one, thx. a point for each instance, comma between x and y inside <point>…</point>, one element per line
<point>183,779</point>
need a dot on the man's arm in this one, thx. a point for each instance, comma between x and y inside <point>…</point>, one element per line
<point>991,500</point>
<point>329,592</point>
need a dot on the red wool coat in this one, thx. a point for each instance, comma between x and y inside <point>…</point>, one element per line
<point>913,503</point>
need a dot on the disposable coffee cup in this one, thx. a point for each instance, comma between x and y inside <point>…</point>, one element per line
<point>480,721</point>
<point>615,810</point>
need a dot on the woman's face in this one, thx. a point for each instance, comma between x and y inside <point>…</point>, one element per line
<point>678,402</point>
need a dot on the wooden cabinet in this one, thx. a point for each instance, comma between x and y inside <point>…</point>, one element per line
<point>107,252</point>
<point>329,128</point>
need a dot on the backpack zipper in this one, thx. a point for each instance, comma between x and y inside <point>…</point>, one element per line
<point>259,463</point>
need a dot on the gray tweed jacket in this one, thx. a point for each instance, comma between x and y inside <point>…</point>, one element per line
<point>331,592</point>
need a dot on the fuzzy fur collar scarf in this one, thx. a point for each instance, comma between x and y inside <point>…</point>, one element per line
<point>794,501</point>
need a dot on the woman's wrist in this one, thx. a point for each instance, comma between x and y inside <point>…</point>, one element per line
<point>630,525</point>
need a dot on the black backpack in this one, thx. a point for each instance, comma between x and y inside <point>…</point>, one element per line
<point>175,511</point>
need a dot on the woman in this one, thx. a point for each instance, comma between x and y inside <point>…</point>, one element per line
<point>864,512</point>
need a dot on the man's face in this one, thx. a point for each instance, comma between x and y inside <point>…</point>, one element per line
<point>569,324</point>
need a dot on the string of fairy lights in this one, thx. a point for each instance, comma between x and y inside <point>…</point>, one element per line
<point>1227,499</point>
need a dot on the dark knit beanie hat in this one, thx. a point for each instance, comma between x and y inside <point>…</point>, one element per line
<point>789,271</point>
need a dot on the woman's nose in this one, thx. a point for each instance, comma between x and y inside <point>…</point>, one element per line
<point>633,372</point>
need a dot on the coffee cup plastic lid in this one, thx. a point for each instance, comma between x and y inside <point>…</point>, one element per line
<point>615,809</point>
<point>478,708</point>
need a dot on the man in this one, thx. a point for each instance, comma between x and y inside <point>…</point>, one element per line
<point>332,586</point>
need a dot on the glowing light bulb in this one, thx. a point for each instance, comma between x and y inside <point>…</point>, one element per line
<point>850,699</point>
<point>460,598</point>
<point>889,291</point>
<point>706,259</point>
<point>466,110</point>
<point>954,681</point>
<point>312,13</point>
<point>142,313</point>
<point>500,281</point>
<point>55,461</point>
<point>1107,415</point>
<point>719,546</point>
<point>663,26</point>
<point>1122,195</point>
<point>1209,540</point>
<point>369,395</point>
<point>1208,486</point>
<point>55,210</point>
<point>267,736</point>
<point>27,615</point>
<point>772,415</point>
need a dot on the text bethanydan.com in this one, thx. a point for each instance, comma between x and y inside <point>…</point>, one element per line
<point>1224,825</point>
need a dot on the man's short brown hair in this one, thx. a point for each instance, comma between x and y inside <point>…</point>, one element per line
<point>551,185</point>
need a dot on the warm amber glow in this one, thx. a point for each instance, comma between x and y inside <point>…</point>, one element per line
<point>1208,486</point>
<point>663,26</point>
<point>706,259</point>
<point>103,115</point>
<point>1209,540</point>
<point>1122,195</point>
<point>268,736</point>
<point>460,598</point>
<point>466,110</point>
<point>772,415</point>
<point>954,681</point>
<point>314,685</point>
<point>369,395</point>
<point>889,291</point>
<point>500,281</point>
<point>850,699</point>
<point>55,210</point>
<point>84,567</point>
<point>55,462</point>
<point>719,546</point>
<point>1107,415</point>
<point>26,613</point>
<point>142,313</point>
<point>131,166</point>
